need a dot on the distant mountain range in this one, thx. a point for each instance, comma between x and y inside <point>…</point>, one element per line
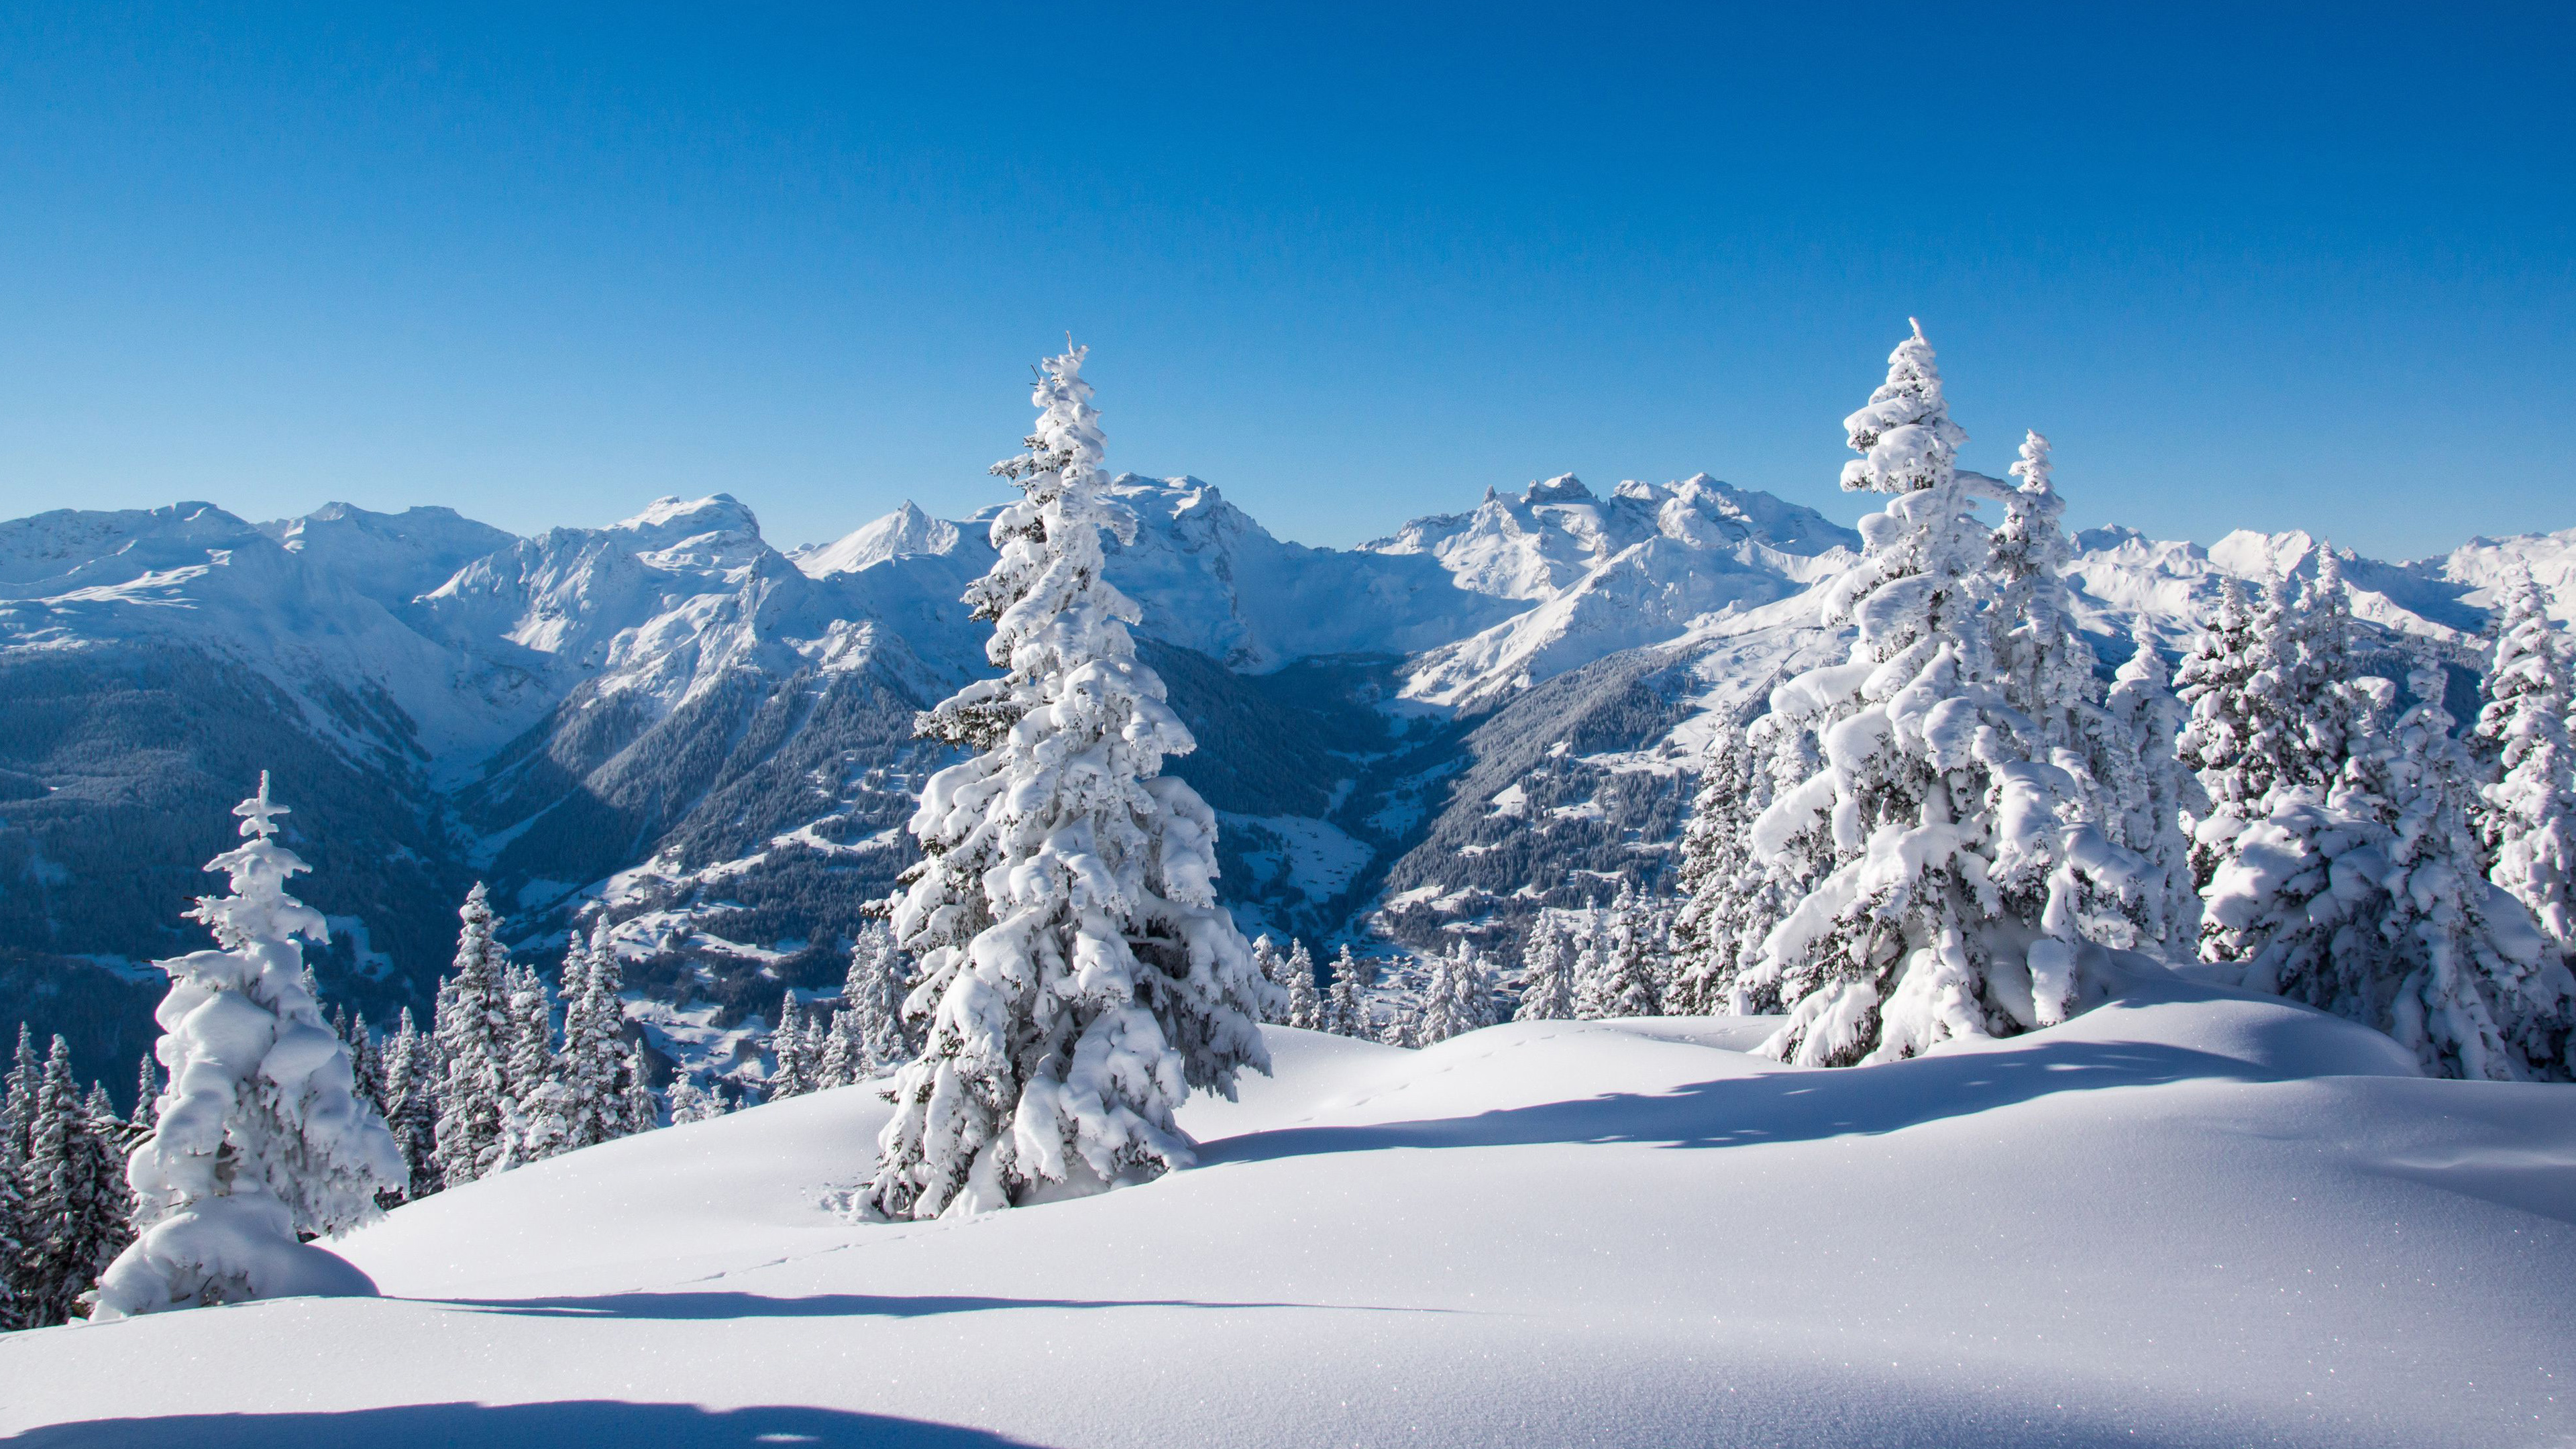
<point>1442,729</point>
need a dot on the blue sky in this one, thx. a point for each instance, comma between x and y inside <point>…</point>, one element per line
<point>2276,269</point>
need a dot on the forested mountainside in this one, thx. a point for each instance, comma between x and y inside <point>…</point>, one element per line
<point>1483,713</point>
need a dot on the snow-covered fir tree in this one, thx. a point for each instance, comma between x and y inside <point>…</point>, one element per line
<point>472,1041</point>
<point>1078,976</point>
<point>796,1051</point>
<point>1266,959</point>
<point>2153,814</point>
<point>2478,992</point>
<point>1622,977</point>
<point>15,1305</point>
<point>75,1204</point>
<point>1729,899</point>
<point>18,1098</point>
<point>866,1039</point>
<point>1547,972</point>
<point>1959,848</point>
<point>147,1089</point>
<point>411,1105</point>
<point>535,1105</point>
<point>1346,1008</point>
<point>2528,814</point>
<point>594,1053</point>
<point>639,1107</point>
<point>261,1135</point>
<point>2365,900</point>
<point>693,1103</point>
<point>1305,1004</point>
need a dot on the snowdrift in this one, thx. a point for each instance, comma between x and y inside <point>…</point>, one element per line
<point>2187,1217</point>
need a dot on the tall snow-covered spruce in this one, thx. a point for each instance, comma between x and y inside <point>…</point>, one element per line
<point>1078,976</point>
<point>2529,812</point>
<point>1962,864</point>
<point>261,1136</point>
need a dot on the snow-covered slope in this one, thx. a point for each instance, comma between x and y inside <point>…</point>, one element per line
<point>2182,1219</point>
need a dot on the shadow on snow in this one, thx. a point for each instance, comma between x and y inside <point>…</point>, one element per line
<point>820,1305</point>
<point>1774,1106</point>
<point>571,1424</point>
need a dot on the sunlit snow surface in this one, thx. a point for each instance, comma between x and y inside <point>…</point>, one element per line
<point>2184,1218</point>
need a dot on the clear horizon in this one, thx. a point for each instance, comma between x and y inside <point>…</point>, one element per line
<point>2281,271</point>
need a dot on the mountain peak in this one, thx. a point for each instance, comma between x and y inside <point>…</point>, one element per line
<point>1563,488</point>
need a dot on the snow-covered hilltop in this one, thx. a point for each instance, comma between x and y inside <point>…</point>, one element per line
<point>2185,1218</point>
<point>1480,713</point>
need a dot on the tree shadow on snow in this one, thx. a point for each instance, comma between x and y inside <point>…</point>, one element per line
<point>1778,1106</point>
<point>572,1424</point>
<point>820,1305</point>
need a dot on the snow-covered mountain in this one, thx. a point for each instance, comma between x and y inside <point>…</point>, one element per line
<point>1443,728</point>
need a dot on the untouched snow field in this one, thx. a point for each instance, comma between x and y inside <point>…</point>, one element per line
<point>2185,1218</point>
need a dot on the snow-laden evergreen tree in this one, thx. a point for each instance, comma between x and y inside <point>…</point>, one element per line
<point>1305,1004</point>
<point>1346,1009</point>
<point>1621,979</point>
<point>2154,813</point>
<point>639,1109</point>
<point>2479,993</point>
<point>1266,959</point>
<point>472,1040</point>
<point>16,1309</point>
<point>693,1103</point>
<point>411,1099</point>
<point>2529,814</point>
<point>866,1039</point>
<point>1961,851</point>
<point>594,1052</point>
<point>367,1063</point>
<point>147,1090</point>
<point>1547,972</point>
<point>1078,974</point>
<point>18,1099</point>
<point>1729,899</point>
<point>536,1110</point>
<point>75,1205</point>
<point>261,1135</point>
<point>2365,900</point>
<point>796,1049</point>
<point>1456,1000</point>
<point>2237,737</point>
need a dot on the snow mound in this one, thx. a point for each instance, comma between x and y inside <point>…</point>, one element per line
<point>2187,1217</point>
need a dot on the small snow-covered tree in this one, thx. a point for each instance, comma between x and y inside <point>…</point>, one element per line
<point>1621,981</point>
<point>2152,816</point>
<point>1078,975</point>
<point>147,1090</point>
<point>1459,998</point>
<point>2236,737</point>
<point>2529,811</point>
<point>1346,1010</point>
<point>75,1201</point>
<point>866,1039</point>
<point>1547,972</point>
<point>1729,899</point>
<point>411,1102</point>
<point>1305,1004</point>
<point>1267,960</point>
<point>639,1109</point>
<point>16,1302</point>
<point>1960,849</point>
<point>18,1099</point>
<point>2478,993</point>
<point>796,1047</point>
<point>693,1103</point>
<point>472,1047</point>
<point>261,1136</point>
<point>593,1050</point>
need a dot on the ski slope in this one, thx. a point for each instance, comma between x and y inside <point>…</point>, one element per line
<point>2184,1218</point>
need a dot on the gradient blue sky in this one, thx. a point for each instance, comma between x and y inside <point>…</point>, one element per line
<point>2248,266</point>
